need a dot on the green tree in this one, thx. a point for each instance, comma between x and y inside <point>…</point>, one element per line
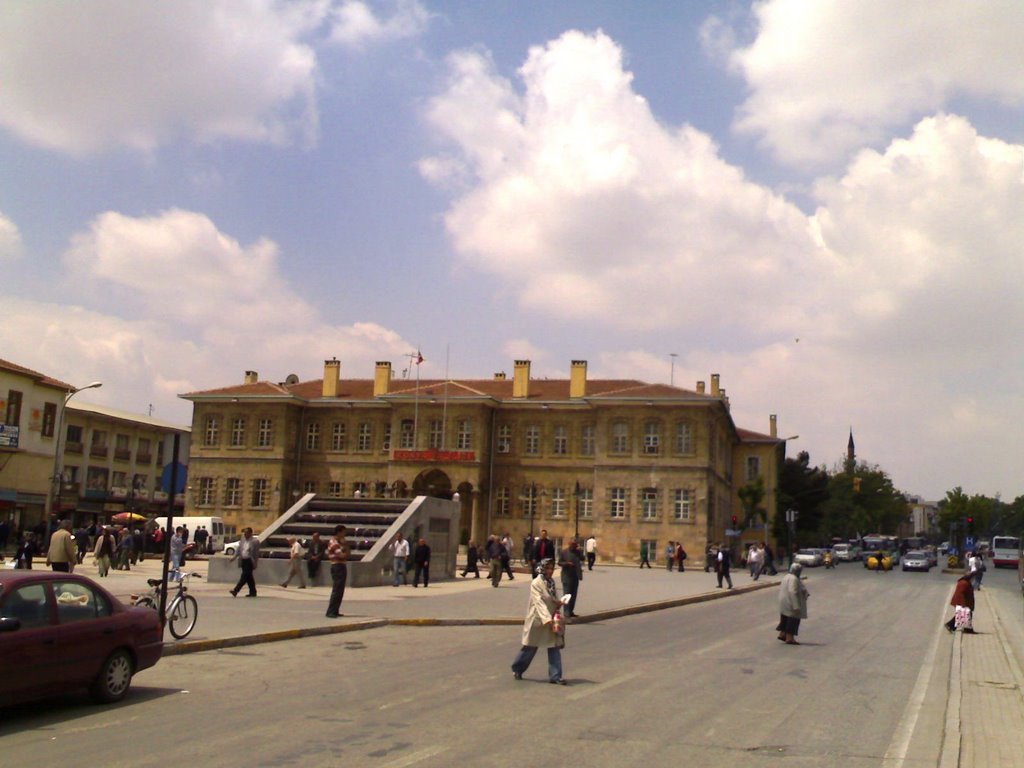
<point>751,495</point>
<point>802,488</point>
<point>860,502</point>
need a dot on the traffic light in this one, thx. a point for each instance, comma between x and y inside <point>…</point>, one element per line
<point>970,524</point>
<point>734,520</point>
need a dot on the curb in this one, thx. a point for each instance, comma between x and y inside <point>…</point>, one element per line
<point>197,646</point>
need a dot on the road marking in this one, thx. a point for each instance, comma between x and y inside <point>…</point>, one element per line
<point>602,686</point>
<point>415,757</point>
<point>900,742</point>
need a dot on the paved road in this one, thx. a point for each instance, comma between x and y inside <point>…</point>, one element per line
<point>705,684</point>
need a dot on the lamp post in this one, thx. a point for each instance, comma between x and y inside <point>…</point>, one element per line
<point>577,510</point>
<point>53,495</point>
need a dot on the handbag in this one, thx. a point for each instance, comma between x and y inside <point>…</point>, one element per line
<point>962,618</point>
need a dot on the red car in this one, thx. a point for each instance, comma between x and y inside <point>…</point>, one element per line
<point>60,632</point>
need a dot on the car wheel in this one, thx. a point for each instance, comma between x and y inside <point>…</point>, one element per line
<point>114,678</point>
<point>229,551</point>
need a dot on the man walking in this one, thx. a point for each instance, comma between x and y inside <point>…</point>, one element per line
<point>422,560</point>
<point>400,553</point>
<point>670,555</point>
<point>722,565</point>
<point>295,553</point>
<point>494,550</point>
<point>63,552</point>
<point>572,573</point>
<point>644,549</point>
<point>590,547</point>
<point>337,555</point>
<point>248,557</point>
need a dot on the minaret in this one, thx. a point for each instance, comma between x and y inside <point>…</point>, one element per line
<point>851,454</point>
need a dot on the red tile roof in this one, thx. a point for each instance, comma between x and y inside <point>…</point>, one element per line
<point>40,378</point>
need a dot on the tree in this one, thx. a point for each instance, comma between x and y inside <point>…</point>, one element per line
<point>803,488</point>
<point>862,501</point>
<point>751,495</point>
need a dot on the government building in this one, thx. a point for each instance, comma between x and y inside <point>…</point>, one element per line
<point>623,460</point>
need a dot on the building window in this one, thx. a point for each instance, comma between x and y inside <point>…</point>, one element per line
<point>558,502</point>
<point>385,443</point>
<point>313,436</point>
<point>620,438</point>
<point>119,480</point>
<point>12,414</point>
<point>211,431</point>
<point>649,503</point>
<point>435,436</point>
<point>49,418</point>
<point>588,440</point>
<point>502,503</point>
<point>531,446</point>
<point>617,503</point>
<point>309,487</point>
<point>99,444</point>
<point>652,437</point>
<point>364,440</point>
<point>684,437</point>
<point>122,447</point>
<point>529,499</point>
<point>145,453</point>
<point>652,548</point>
<point>265,433</point>
<point>464,435</point>
<point>238,432</point>
<point>504,438</point>
<point>338,436</point>
<point>560,440</point>
<point>753,468</point>
<point>359,488</point>
<point>206,492</point>
<point>233,492</point>
<point>260,493</point>
<point>586,502</point>
<point>334,488</point>
<point>73,436</point>
<point>682,504</point>
<point>407,435</point>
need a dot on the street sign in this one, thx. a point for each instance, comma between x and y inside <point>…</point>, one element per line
<point>969,542</point>
<point>731,532</point>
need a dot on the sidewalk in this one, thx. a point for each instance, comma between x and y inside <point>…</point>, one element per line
<point>985,713</point>
<point>281,614</point>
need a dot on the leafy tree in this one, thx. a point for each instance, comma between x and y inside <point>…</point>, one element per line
<point>862,501</point>
<point>751,495</point>
<point>803,488</point>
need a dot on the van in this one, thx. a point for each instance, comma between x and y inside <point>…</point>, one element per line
<point>219,531</point>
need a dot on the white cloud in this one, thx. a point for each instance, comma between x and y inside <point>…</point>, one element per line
<point>354,23</point>
<point>827,78</point>
<point>589,205</point>
<point>169,304</point>
<point>10,239</point>
<point>109,73</point>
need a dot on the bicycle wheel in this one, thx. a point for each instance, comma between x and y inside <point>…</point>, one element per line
<point>182,615</point>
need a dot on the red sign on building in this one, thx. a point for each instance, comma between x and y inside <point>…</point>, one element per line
<point>434,454</point>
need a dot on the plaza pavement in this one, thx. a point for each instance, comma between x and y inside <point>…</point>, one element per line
<point>984,722</point>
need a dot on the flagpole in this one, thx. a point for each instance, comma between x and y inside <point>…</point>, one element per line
<point>444,407</point>
<point>416,402</point>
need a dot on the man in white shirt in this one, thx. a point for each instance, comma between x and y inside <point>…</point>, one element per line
<point>400,550</point>
<point>590,547</point>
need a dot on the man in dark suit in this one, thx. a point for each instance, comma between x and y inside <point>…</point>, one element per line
<point>722,565</point>
<point>422,560</point>
<point>248,557</point>
<point>572,572</point>
<point>543,548</point>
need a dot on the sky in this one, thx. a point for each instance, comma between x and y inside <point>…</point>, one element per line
<point>821,202</point>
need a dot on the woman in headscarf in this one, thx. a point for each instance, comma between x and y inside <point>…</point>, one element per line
<point>963,605</point>
<point>792,604</point>
<point>539,629</point>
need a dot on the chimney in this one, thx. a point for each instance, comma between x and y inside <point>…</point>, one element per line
<point>521,379</point>
<point>499,376</point>
<point>773,425</point>
<point>251,377</point>
<point>700,387</point>
<point>578,379</point>
<point>716,391</point>
<point>332,375</point>
<point>381,379</point>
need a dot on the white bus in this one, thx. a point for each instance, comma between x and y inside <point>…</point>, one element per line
<point>1005,551</point>
<point>220,532</point>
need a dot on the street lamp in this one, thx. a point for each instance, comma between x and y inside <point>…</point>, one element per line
<point>577,510</point>
<point>58,470</point>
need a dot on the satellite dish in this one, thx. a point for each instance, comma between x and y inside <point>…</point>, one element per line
<point>291,379</point>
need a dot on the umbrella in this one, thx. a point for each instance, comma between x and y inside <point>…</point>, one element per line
<point>127,517</point>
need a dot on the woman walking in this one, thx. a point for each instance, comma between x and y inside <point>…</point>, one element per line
<point>792,604</point>
<point>963,606</point>
<point>105,549</point>
<point>541,630</point>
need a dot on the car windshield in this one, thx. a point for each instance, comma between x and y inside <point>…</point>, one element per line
<point>915,555</point>
<point>806,552</point>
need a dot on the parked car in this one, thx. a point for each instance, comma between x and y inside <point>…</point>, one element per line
<point>231,547</point>
<point>844,552</point>
<point>60,632</point>
<point>916,561</point>
<point>809,558</point>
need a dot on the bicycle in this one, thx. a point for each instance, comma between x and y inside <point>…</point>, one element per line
<point>182,610</point>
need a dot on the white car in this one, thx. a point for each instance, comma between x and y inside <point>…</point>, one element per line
<point>809,558</point>
<point>231,547</point>
<point>916,561</point>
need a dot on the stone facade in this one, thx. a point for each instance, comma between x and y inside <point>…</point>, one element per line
<point>624,460</point>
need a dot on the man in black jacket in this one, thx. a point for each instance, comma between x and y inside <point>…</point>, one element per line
<point>422,559</point>
<point>722,565</point>
<point>572,573</point>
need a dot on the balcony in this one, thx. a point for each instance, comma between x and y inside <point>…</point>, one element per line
<point>144,458</point>
<point>123,454</point>
<point>98,451</point>
<point>72,447</point>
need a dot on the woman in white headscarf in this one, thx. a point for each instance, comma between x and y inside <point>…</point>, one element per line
<point>792,604</point>
<point>540,629</point>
